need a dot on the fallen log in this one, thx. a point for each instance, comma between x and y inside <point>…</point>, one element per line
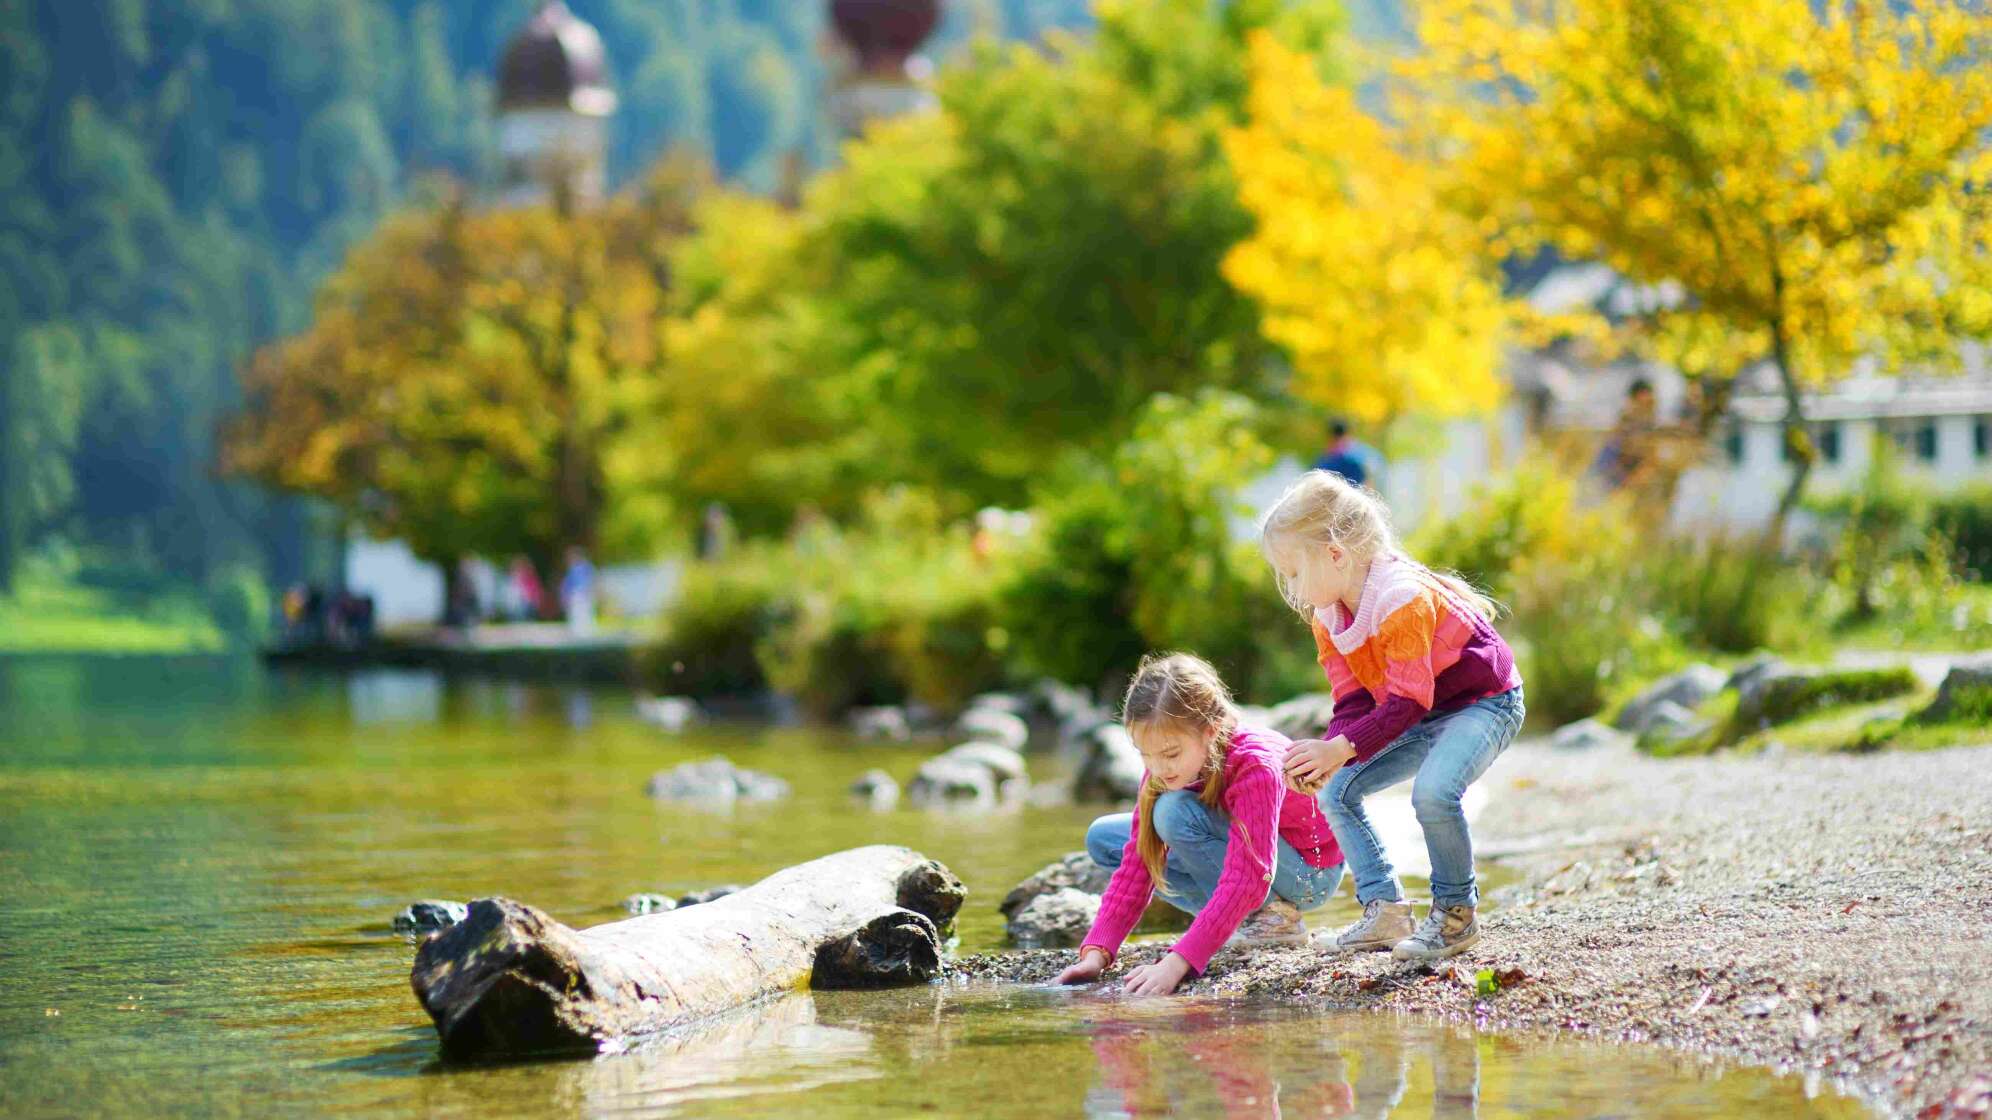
<point>508,980</point>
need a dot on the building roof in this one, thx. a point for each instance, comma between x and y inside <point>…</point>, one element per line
<point>556,61</point>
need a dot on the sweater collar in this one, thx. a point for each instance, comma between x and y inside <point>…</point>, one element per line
<point>1349,638</point>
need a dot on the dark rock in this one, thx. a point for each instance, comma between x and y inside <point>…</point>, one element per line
<point>649,903</point>
<point>893,950</point>
<point>429,915</point>
<point>1690,689</point>
<point>943,779</point>
<point>715,780</point>
<point>672,713</point>
<point>1110,768</point>
<point>711,894</point>
<point>1057,919</point>
<point>1585,734</point>
<point>881,723</point>
<point>987,725</point>
<point>1751,671</point>
<point>877,787</point>
<point>1966,693</point>
<point>929,888</point>
<point>1076,871</point>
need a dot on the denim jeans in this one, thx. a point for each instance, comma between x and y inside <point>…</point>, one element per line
<point>1197,837</point>
<point>1442,755</point>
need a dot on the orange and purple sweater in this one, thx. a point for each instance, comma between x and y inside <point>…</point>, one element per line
<point>1411,649</point>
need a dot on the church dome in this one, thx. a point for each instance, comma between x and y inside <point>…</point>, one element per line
<point>556,61</point>
<point>884,33</point>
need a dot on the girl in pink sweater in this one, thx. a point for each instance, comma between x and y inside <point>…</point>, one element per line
<point>1214,824</point>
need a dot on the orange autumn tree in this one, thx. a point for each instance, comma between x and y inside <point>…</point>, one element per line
<point>482,382</point>
<point>1812,175</point>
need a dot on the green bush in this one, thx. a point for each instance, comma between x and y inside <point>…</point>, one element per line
<point>709,640</point>
<point>1964,520</point>
<point>1724,595</point>
<point>239,600</point>
<point>1782,699</point>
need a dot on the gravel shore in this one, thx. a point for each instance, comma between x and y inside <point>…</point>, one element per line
<point>1825,914</point>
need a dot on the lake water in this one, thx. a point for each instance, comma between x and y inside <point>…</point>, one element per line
<point>199,860</point>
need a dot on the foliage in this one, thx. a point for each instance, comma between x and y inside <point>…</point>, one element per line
<point>1963,519</point>
<point>708,643</point>
<point>239,601</point>
<point>50,611</point>
<point>1782,699</point>
<point>1143,550</point>
<point>1811,177</point>
<point>475,381</point>
<point>1721,594</point>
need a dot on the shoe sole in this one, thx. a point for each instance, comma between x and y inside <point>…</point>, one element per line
<point>1452,950</point>
<point>1363,947</point>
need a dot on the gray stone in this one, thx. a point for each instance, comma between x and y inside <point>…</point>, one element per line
<point>1303,717</point>
<point>1055,920</point>
<point>1668,722</point>
<point>1969,680</point>
<point>1584,735</point>
<point>881,723</point>
<point>1012,703</point>
<point>429,915</point>
<point>877,787</point>
<point>711,894</point>
<point>1076,871</point>
<point>952,780</point>
<point>672,713</point>
<point>1003,763</point>
<point>1690,688</point>
<point>647,903</point>
<point>1061,702</point>
<point>715,780</point>
<point>1110,767</point>
<point>987,725</point>
<point>1751,671</point>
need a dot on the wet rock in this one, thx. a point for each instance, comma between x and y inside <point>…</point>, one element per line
<point>1752,671</point>
<point>1584,735</point>
<point>711,894</point>
<point>429,915</point>
<point>672,713</point>
<point>1965,694</point>
<point>1690,688</point>
<point>1004,764</point>
<point>1012,703</point>
<point>1055,920</point>
<point>877,787</point>
<point>952,780</point>
<point>987,725</point>
<point>888,723</point>
<point>893,950</point>
<point>649,903</point>
<point>1109,768</point>
<point>715,780</point>
<point>1303,717</point>
<point>1061,703</point>
<point>1076,871</point>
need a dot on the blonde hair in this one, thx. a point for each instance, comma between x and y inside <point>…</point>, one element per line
<point>1322,508</point>
<point>1184,691</point>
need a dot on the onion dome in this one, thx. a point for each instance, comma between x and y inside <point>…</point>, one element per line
<point>883,34</point>
<point>556,61</point>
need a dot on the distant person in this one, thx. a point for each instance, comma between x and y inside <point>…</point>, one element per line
<point>1426,691</point>
<point>522,598</point>
<point>1344,455</point>
<point>1629,444</point>
<point>1214,829</point>
<point>577,592</point>
<point>716,532</point>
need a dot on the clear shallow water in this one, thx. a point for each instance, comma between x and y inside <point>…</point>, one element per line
<point>198,861</point>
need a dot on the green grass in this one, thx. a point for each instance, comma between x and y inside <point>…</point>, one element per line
<point>1963,620</point>
<point>46,614</point>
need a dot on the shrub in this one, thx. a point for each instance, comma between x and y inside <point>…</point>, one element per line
<point>1964,520</point>
<point>239,601</point>
<point>1725,595</point>
<point>709,639</point>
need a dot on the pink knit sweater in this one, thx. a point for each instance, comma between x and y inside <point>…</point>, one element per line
<point>1258,802</point>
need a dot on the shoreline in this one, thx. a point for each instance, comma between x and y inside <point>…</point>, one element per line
<point>1825,915</point>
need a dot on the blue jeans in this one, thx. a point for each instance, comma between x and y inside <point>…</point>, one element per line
<point>1442,755</point>
<point>1197,837</point>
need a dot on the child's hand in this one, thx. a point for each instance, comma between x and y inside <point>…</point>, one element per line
<point>1092,962</point>
<point>1158,979</point>
<point>1311,762</point>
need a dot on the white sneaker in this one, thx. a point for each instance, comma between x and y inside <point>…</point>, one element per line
<point>1382,926</point>
<point>1276,923</point>
<point>1443,933</point>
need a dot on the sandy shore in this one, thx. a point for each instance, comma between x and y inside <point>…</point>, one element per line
<point>1826,914</point>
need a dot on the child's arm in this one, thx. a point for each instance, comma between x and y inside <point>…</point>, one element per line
<point>1253,803</point>
<point>1127,895</point>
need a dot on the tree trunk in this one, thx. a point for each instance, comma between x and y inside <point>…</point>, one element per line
<point>509,980</point>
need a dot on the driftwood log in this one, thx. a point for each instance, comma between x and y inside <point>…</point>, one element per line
<point>508,980</point>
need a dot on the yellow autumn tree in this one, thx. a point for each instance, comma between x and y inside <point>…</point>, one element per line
<point>482,381</point>
<point>1813,176</point>
<point>1379,289</point>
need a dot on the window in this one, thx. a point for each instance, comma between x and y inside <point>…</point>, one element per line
<point>1915,437</point>
<point>1981,437</point>
<point>1827,437</point>
<point>1732,443</point>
